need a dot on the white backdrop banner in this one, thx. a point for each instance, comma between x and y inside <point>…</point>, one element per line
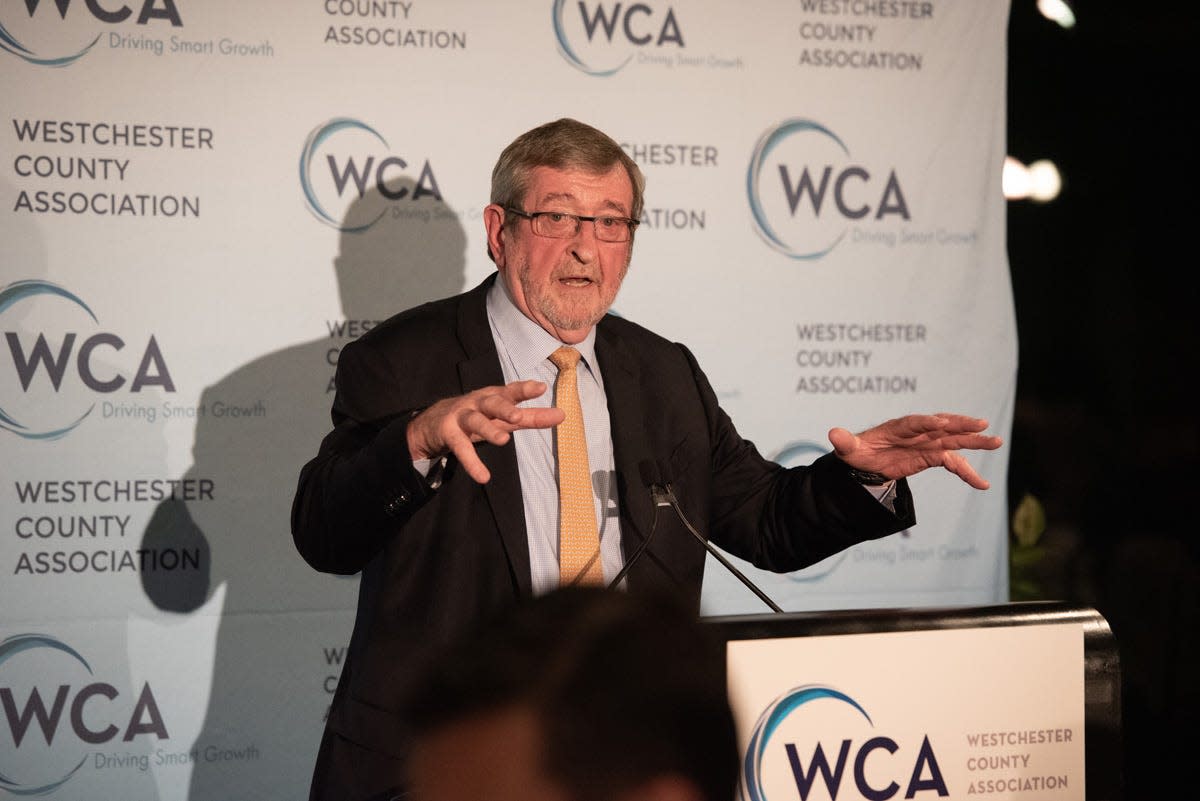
<point>202,202</point>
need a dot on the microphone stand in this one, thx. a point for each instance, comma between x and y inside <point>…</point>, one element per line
<point>663,495</point>
<point>673,502</point>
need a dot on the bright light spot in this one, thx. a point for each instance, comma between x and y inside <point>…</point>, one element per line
<point>1014,180</point>
<point>1057,11</point>
<point>1045,182</point>
<point>1040,181</point>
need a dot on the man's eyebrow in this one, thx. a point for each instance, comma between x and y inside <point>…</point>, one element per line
<point>567,196</point>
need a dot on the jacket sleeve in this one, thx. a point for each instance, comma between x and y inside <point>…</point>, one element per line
<point>361,488</point>
<point>786,519</point>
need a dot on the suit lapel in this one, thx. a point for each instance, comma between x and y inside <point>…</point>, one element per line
<point>622,385</point>
<point>481,369</point>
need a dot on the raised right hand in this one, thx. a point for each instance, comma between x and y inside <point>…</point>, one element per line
<point>490,414</point>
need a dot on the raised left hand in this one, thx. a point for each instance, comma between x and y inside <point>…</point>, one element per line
<point>907,445</point>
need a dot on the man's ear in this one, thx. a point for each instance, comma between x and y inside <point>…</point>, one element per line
<point>668,787</point>
<point>493,222</point>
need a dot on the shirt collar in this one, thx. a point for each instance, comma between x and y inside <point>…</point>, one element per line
<point>527,343</point>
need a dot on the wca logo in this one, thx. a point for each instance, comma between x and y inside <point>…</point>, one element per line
<point>879,769</point>
<point>352,176</point>
<point>33,37</point>
<point>38,411</point>
<point>71,710</point>
<point>804,188</point>
<point>605,37</point>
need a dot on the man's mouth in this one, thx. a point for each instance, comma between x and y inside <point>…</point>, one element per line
<point>576,281</point>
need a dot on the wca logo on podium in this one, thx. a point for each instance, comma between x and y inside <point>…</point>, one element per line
<point>48,405</point>
<point>34,38</point>
<point>605,37</point>
<point>784,760</point>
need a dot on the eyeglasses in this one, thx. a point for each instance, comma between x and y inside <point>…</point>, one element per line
<point>560,225</point>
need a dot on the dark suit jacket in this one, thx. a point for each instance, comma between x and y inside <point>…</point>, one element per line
<point>435,563</point>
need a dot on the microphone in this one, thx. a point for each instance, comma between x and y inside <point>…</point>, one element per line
<point>652,478</point>
<point>663,494</point>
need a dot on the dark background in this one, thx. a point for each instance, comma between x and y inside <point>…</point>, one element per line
<point>1105,433</point>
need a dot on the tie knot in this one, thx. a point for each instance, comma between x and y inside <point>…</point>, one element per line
<point>565,358</point>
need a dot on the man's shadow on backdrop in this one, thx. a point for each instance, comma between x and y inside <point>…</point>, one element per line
<point>414,253</point>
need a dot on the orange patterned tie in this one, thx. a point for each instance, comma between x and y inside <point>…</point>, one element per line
<point>578,540</point>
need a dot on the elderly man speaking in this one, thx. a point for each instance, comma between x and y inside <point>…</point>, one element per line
<point>495,445</point>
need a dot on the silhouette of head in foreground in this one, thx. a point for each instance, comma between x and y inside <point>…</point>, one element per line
<point>578,695</point>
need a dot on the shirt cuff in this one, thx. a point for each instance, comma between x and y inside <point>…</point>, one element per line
<point>431,470</point>
<point>884,493</point>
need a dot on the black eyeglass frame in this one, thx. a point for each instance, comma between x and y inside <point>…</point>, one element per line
<point>630,223</point>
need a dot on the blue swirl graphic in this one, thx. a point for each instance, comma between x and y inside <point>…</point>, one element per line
<point>797,453</point>
<point>314,141</point>
<point>21,290</point>
<point>770,720</point>
<point>762,149</point>
<point>568,52</point>
<point>9,42</point>
<point>10,647</point>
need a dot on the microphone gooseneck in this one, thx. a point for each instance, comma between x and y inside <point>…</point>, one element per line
<point>662,494</point>
<point>673,502</point>
<point>652,478</point>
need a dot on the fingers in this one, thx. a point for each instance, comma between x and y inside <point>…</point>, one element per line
<point>519,391</point>
<point>931,432</point>
<point>450,426</point>
<point>918,425</point>
<point>972,442</point>
<point>907,445</point>
<point>480,426</point>
<point>960,467</point>
<point>500,404</point>
<point>463,448</point>
<point>960,423</point>
<point>490,415</point>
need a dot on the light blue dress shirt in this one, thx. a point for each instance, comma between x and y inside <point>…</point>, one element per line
<point>524,348</point>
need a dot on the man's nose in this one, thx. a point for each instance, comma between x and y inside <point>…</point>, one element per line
<point>584,243</point>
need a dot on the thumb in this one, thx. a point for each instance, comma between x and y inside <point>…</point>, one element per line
<point>843,441</point>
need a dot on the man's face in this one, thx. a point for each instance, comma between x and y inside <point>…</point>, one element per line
<point>564,285</point>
